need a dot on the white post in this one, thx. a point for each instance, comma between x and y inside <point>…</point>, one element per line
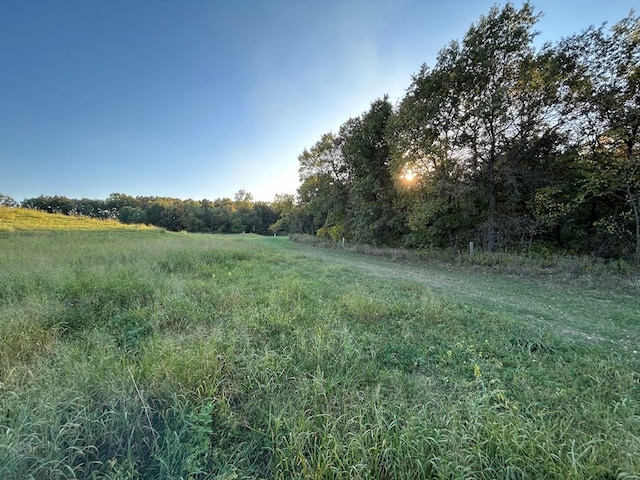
<point>471,248</point>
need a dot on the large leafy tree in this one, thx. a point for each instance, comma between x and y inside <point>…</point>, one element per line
<point>426,162</point>
<point>7,201</point>
<point>324,191</point>
<point>372,212</point>
<point>291,216</point>
<point>501,109</point>
<point>480,130</point>
<point>605,95</point>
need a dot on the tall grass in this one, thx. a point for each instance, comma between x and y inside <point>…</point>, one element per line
<point>143,354</point>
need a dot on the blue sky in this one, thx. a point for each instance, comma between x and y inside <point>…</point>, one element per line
<point>199,99</point>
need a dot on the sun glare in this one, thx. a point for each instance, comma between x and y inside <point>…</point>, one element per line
<point>408,175</point>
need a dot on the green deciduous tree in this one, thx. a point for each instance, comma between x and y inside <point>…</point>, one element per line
<point>605,95</point>
<point>427,165</point>
<point>290,215</point>
<point>7,201</point>
<point>325,178</point>
<point>495,72</point>
<point>480,131</point>
<point>372,208</point>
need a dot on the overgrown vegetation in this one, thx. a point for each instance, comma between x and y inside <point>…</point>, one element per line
<point>145,354</point>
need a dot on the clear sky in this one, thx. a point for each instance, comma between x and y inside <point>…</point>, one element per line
<point>201,98</point>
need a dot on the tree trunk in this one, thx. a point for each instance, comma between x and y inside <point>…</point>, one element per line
<point>635,204</point>
<point>491,217</point>
<point>491,178</point>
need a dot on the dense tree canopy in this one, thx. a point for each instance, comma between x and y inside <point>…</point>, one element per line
<point>371,209</point>
<point>500,143</point>
<point>606,128</point>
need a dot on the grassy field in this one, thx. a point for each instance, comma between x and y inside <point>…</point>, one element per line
<point>24,219</point>
<point>142,354</point>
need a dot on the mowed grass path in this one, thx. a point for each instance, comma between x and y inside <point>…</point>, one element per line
<point>595,313</point>
<point>143,354</point>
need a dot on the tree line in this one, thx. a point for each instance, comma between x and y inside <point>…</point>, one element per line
<point>501,143</point>
<point>223,215</point>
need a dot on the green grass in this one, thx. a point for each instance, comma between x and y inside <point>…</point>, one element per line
<point>144,354</point>
<point>542,262</point>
